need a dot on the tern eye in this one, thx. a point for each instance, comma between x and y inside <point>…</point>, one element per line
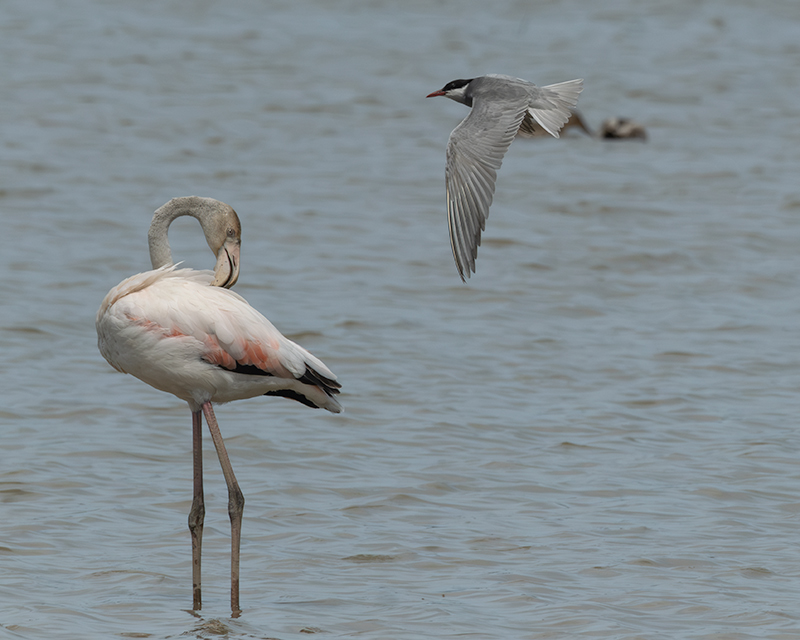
<point>456,84</point>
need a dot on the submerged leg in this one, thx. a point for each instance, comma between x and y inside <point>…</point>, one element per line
<point>235,504</point>
<point>198,511</point>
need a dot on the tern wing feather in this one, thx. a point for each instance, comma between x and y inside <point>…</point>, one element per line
<point>551,106</point>
<point>475,153</point>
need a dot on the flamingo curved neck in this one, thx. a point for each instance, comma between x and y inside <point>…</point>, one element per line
<point>200,208</point>
<point>160,253</point>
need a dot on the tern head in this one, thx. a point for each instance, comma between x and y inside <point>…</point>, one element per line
<point>455,90</point>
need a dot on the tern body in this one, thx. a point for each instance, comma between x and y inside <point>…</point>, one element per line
<point>502,108</point>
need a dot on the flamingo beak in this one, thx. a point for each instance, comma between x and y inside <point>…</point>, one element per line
<point>226,271</point>
<point>435,93</point>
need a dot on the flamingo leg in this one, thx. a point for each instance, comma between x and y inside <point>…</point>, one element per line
<point>198,511</point>
<point>235,504</point>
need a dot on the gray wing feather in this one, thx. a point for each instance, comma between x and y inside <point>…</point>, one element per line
<point>474,154</point>
<point>551,106</point>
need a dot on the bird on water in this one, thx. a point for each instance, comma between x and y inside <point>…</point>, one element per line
<point>184,332</point>
<point>502,108</point>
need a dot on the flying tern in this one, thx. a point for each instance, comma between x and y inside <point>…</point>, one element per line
<point>502,108</point>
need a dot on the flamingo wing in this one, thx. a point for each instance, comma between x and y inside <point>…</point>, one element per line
<point>242,340</point>
<point>176,310</point>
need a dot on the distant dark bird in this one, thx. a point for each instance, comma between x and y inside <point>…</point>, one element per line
<point>620,129</point>
<point>610,129</point>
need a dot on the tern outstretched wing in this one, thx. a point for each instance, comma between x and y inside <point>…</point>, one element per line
<point>474,154</point>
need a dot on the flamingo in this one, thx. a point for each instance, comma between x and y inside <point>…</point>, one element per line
<point>184,332</point>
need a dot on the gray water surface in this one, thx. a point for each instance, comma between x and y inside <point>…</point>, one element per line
<point>596,437</point>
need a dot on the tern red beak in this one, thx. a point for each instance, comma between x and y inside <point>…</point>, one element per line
<point>435,93</point>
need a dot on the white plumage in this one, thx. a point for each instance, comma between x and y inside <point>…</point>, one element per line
<point>173,330</point>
